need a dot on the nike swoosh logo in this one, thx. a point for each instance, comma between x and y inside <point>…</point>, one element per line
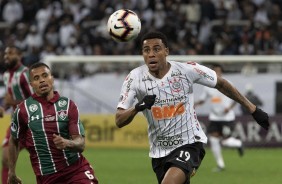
<point>142,103</point>
<point>151,88</point>
<point>118,27</point>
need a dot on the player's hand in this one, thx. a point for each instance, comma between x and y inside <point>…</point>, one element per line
<point>261,118</point>
<point>13,179</point>
<point>147,102</point>
<point>60,142</point>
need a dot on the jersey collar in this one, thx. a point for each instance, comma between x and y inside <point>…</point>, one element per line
<point>43,100</point>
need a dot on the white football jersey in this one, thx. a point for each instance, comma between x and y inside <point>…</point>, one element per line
<point>172,121</point>
<point>219,102</point>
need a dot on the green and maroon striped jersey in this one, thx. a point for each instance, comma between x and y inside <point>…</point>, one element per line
<point>17,83</point>
<point>36,120</point>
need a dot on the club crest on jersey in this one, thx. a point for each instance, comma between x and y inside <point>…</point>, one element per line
<point>33,107</point>
<point>62,114</point>
<point>62,103</point>
<point>175,85</point>
<point>14,127</point>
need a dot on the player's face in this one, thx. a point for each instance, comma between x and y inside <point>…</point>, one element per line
<point>154,53</point>
<point>42,81</point>
<point>11,57</point>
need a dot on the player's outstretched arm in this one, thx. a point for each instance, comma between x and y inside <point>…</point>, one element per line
<point>13,157</point>
<point>125,116</point>
<point>229,90</point>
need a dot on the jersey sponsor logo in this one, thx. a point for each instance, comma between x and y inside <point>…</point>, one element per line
<point>176,73</point>
<point>62,114</point>
<point>129,84</point>
<point>167,112</point>
<point>49,118</point>
<point>14,127</point>
<point>191,63</point>
<point>124,97</point>
<point>145,78</point>
<point>203,74</point>
<point>164,101</point>
<point>62,103</point>
<point>169,141</point>
<point>33,107</point>
<point>127,77</point>
<point>37,117</point>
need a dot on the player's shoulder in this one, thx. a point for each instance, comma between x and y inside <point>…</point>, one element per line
<point>140,68</point>
<point>27,103</point>
<point>64,98</point>
<point>64,101</point>
<point>23,71</point>
<point>184,65</point>
<point>139,71</point>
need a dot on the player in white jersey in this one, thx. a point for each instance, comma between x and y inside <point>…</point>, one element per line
<point>164,90</point>
<point>222,121</point>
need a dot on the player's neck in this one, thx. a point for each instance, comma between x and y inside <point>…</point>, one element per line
<point>162,71</point>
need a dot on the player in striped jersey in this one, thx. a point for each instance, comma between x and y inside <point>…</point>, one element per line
<point>17,89</point>
<point>164,91</point>
<point>49,127</point>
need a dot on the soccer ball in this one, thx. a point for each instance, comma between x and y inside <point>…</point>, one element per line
<point>124,25</point>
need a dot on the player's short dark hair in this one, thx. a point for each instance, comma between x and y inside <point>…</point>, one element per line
<point>155,34</point>
<point>37,65</point>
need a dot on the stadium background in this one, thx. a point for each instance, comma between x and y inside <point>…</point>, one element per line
<point>77,28</point>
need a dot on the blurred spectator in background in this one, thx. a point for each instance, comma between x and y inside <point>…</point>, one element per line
<point>12,11</point>
<point>245,48</point>
<point>72,48</point>
<point>234,13</point>
<point>48,50</point>
<point>196,27</point>
<point>43,16</point>
<point>66,30</point>
<point>51,35</point>
<point>249,69</point>
<point>33,39</point>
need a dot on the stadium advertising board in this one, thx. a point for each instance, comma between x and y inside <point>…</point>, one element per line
<point>101,131</point>
<point>252,134</point>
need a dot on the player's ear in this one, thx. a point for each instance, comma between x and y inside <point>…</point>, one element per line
<point>52,78</point>
<point>166,51</point>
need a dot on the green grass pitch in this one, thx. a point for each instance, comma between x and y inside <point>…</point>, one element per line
<point>126,166</point>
